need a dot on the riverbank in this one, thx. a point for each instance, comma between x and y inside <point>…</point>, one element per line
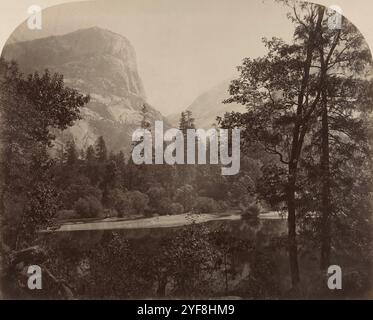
<point>155,222</point>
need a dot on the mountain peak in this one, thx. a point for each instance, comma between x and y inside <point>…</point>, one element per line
<point>99,34</point>
<point>98,62</point>
<point>98,52</point>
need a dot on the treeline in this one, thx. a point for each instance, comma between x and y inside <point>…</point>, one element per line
<point>99,183</point>
<point>40,186</point>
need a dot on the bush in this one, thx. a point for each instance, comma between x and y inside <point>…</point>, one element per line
<point>110,213</point>
<point>82,208</point>
<point>95,207</point>
<point>139,201</point>
<point>66,215</point>
<point>120,201</point>
<point>185,196</point>
<point>89,207</point>
<point>113,196</point>
<point>165,205</point>
<point>223,205</point>
<point>251,214</point>
<point>252,210</point>
<point>129,202</point>
<point>155,195</point>
<point>205,205</point>
<point>123,205</point>
<point>80,188</point>
<point>176,208</point>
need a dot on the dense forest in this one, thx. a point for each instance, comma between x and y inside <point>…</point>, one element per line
<point>49,184</point>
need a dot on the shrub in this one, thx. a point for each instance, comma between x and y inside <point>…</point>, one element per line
<point>82,208</point>
<point>123,205</point>
<point>95,207</point>
<point>205,205</point>
<point>176,208</point>
<point>252,210</point>
<point>223,205</point>
<point>88,207</point>
<point>185,196</point>
<point>77,190</point>
<point>139,201</point>
<point>120,201</point>
<point>155,195</point>
<point>251,214</point>
<point>165,205</point>
<point>66,215</point>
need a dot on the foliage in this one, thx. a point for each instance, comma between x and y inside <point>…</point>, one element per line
<point>185,196</point>
<point>205,205</point>
<point>88,207</point>
<point>176,208</point>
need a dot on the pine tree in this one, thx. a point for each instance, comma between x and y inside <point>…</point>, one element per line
<point>71,155</point>
<point>183,123</point>
<point>189,120</point>
<point>91,165</point>
<point>90,155</point>
<point>101,150</point>
<point>145,123</point>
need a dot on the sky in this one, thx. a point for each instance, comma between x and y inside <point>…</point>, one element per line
<point>183,47</point>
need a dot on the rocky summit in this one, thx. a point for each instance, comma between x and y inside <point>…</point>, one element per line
<point>96,62</point>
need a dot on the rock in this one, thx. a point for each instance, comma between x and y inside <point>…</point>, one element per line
<point>208,106</point>
<point>96,62</point>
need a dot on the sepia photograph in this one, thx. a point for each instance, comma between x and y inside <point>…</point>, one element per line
<point>186,150</point>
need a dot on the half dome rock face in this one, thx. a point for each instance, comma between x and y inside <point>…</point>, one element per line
<point>97,62</point>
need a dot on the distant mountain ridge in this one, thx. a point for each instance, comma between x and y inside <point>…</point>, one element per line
<point>208,106</point>
<point>96,62</point>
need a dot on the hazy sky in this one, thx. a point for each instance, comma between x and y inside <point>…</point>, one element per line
<point>183,47</point>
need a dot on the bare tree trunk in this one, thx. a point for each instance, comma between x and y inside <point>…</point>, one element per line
<point>162,282</point>
<point>226,273</point>
<point>325,232</point>
<point>325,189</point>
<point>292,232</point>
